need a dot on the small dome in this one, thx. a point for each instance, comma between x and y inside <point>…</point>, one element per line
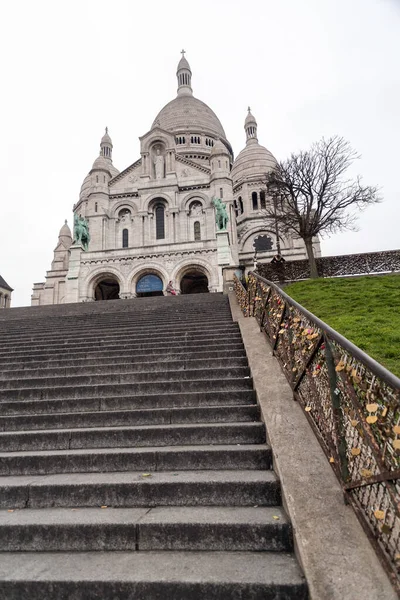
<point>65,236</point>
<point>187,113</point>
<point>253,161</point>
<point>87,182</point>
<point>106,138</point>
<point>249,118</point>
<point>65,230</point>
<point>104,164</point>
<point>183,64</point>
<point>219,148</point>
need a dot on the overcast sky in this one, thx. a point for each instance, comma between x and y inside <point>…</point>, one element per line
<point>307,68</point>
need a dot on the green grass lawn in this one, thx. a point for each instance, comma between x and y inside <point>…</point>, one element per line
<point>366,310</point>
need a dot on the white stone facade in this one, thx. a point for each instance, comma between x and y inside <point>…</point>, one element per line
<point>5,294</point>
<point>157,218</point>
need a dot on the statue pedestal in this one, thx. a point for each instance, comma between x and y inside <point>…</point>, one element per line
<point>224,253</point>
<point>72,279</point>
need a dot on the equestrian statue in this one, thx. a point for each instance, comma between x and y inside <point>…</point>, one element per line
<point>81,231</point>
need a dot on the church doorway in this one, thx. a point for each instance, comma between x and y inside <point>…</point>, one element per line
<point>107,289</point>
<point>194,282</point>
<point>149,285</point>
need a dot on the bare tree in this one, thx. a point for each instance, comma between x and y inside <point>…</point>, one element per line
<point>312,196</point>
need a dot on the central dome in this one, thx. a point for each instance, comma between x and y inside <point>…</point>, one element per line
<point>188,113</point>
<point>185,113</point>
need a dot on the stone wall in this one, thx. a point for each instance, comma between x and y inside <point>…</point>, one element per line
<point>369,263</point>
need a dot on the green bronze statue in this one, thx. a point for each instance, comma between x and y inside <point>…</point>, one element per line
<point>221,216</point>
<point>81,231</point>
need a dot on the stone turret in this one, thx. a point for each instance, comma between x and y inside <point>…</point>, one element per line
<point>184,75</point>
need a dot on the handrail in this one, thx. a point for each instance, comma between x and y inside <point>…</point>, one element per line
<point>351,401</point>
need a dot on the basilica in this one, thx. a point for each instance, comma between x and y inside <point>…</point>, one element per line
<point>153,225</point>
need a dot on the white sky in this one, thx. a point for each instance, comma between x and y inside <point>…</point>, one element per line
<point>307,68</point>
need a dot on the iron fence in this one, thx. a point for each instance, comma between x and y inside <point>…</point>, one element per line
<point>351,402</point>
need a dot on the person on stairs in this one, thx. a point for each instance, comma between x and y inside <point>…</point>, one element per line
<point>170,289</point>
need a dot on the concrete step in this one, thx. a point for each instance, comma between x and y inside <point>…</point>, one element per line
<point>157,416</point>
<point>118,358</point>
<point>151,575</point>
<point>81,354</point>
<point>79,380</point>
<point>114,367</point>
<point>261,529</point>
<point>123,437</point>
<point>136,489</point>
<point>111,402</point>
<point>106,460</point>
<point>186,386</point>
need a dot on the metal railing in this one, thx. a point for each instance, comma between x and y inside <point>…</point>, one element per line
<point>351,402</point>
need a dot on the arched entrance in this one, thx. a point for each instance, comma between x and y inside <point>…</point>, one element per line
<point>194,282</point>
<point>107,289</point>
<point>149,285</point>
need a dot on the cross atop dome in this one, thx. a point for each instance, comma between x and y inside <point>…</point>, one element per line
<point>183,52</point>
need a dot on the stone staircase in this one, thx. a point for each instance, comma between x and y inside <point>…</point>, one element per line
<point>133,461</point>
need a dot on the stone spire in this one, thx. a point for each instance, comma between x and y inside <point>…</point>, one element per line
<point>250,126</point>
<point>106,146</point>
<point>184,75</point>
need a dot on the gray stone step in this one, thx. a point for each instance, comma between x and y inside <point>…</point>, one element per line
<point>118,358</point>
<point>123,367</point>
<point>151,575</point>
<point>79,380</point>
<point>96,333</point>
<point>106,460</point>
<point>157,416</point>
<point>122,341</point>
<point>150,319</point>
<point>180,488</point>
<point>122,437</point>
<point>82,354</point>
<point>121,336</point>
<point>144,347</point>
<point>168,528</point>
<point>111,402</point>
<point>123,389</point>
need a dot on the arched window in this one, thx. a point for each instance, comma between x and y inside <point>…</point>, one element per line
<point>197,231</point>
<point>240,201</point>
<point>97,179</point>
<point>221,192</point>
<point>95,207</point>
<point>160,223</point>
<point>262,200</point>
<point>125,238</point>
<point>254,200</point>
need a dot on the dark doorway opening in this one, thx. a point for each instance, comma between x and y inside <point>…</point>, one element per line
<point>149,285</point>
<point>107,289</point>
<point>194,282</point>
